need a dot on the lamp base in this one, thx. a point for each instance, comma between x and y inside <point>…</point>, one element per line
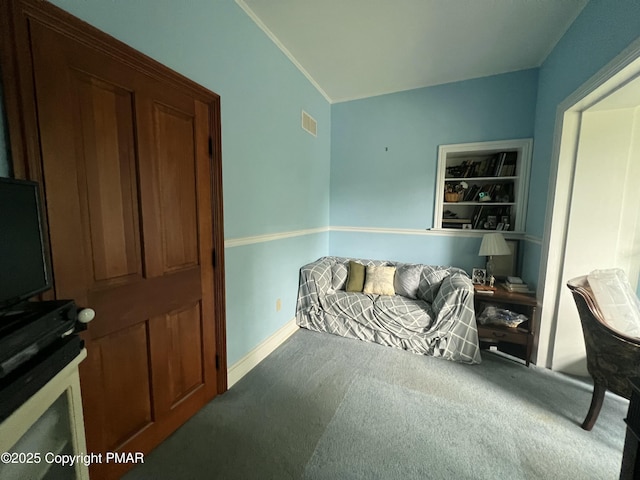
<point>489,267</point>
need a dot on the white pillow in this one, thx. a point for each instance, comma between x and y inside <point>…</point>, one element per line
<point>616,300</point>
<point>379,280</point>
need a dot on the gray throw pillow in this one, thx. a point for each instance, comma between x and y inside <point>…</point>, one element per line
<point>407,280</point>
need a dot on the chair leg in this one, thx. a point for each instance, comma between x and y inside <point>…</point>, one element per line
<point>596,404</point>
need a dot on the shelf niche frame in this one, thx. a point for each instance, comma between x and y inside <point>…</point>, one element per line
<point>454,154</point>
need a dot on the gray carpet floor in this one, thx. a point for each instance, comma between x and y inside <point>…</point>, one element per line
<point>325,407</point>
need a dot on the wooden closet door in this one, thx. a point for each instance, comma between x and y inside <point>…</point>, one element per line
<point>127,176</point>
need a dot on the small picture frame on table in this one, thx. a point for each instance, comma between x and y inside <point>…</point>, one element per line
<point>479,276</point>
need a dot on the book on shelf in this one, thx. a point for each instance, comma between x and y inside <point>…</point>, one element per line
<point>459,226</point>
<point>472,170</point>
<point>471,194</point>
<point>516,287</point>
<point>482,167</point>
<point>481,214</point>
<point>477,217</point>
<point>491,166</point>
<point>502,164</point>
<point>456,220</point>
<point>508,167</point>
<point>456,223</point>
<point>499,163</point>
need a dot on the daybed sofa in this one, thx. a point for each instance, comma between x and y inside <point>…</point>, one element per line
<point>430,311</point>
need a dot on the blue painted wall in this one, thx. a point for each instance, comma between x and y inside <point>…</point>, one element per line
<point>375,159</point>
<point>275,175</point>
<point>384,154</point>
<point>602,30</point>
<point>262,273</point>
<point>459,251</point>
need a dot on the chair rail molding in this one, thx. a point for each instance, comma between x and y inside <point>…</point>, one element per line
<point>269,237</point>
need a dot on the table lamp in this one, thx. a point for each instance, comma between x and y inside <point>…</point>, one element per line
<point>493,244</point>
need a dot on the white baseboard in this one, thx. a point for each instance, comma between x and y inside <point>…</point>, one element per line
<point>239,369</point>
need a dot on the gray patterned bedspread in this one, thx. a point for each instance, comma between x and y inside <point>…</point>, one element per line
<point>440,322</point>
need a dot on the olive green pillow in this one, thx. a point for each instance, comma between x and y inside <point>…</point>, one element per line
<point>355,280</point>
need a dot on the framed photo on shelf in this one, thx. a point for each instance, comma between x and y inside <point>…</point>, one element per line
<point>479,276</point>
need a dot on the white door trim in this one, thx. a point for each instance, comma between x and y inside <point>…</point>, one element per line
<point>617,73</point>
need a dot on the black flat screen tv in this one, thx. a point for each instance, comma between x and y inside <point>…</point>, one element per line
<point>23,264</point>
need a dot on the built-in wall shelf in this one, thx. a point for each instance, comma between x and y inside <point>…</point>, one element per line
<point>483,186</point>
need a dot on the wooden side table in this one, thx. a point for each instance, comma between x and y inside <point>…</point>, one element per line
<point>518,341</point>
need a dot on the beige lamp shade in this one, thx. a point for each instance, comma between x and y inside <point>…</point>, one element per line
<point>494,244</point>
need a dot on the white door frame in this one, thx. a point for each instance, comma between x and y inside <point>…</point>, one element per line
<point>617,73</point>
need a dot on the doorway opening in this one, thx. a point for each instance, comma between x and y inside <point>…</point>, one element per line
<point>592,216</point>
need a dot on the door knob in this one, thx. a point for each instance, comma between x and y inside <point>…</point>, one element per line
<point>86,315</point>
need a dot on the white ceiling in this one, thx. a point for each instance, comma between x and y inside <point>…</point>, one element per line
<point>360,48</point>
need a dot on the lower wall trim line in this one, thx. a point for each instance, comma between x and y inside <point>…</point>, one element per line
<point>255,356</point>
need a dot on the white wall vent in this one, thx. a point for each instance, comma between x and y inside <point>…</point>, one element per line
<point>309,124</point>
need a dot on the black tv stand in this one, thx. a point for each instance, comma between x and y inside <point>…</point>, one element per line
<point>37,340</point>
<point>29,327</point>
<point>50,419</point>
